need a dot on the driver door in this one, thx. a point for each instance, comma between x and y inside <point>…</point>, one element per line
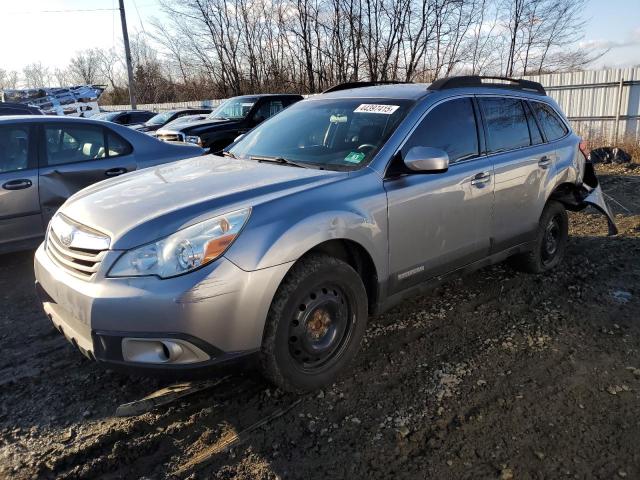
<point>440,222</point>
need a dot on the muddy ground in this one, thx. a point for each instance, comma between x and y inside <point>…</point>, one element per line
<point>498,375</point>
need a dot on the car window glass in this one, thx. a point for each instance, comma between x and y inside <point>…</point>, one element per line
<point>14,149</point>
<point>331,133</point>
<point>139,117</point>
<point>117,145</point>
<point>74,143</point>
<point>536,136</point>
<point>268,109</point>
<point>553,127</point>
<point>506,123</point>
<point>450,126</point>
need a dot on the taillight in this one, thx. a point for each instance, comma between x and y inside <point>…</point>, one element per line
<point>583,149</point>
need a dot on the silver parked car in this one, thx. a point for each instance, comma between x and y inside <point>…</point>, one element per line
<point>44,160</point>
<point>340,206</point>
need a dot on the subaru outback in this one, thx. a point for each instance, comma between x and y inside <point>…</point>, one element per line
<point>339,207</point>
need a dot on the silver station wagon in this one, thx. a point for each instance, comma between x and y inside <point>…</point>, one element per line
<point>338,207</point>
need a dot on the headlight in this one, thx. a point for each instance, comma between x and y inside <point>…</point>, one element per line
<point>183,251</point>
<point>194,139</point>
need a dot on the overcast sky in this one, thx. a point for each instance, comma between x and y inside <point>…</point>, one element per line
<point>613,24</point>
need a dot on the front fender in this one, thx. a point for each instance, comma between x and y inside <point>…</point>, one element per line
<point>282,242</point>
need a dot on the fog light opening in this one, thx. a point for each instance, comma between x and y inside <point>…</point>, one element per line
<point>171,350</point>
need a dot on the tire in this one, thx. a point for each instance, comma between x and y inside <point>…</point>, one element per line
<point>551,241</point>
<point>315,324</point>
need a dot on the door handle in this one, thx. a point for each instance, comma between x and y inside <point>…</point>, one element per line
<point>17,184</point>
<point>481,179</point>
<point>544,162</point>
<point>114,172</point>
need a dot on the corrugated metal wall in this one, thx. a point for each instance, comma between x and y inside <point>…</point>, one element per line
<point>590,99</point>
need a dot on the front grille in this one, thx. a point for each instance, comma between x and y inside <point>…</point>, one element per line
<point>80,260</point>
<point>170,137</point>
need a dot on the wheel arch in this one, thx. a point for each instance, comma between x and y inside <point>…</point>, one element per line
<point>355,255</point>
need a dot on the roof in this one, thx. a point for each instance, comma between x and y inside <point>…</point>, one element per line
<point>44,118</point>
<point>408,91</point>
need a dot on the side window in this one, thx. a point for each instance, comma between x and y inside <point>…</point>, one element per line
<point>553,127</point>
<point>451,126</point>
<point>124,119</point>
<point>74,143</point>
<point>268,109</point>
<point>506,123</point>
<point>138,118</point>
<point>117,145</point>
<point>536,136</point>
<point>14,149</point>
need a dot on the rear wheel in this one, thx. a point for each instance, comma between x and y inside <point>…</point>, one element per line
<point>315,324</point>
<point>550,243</point>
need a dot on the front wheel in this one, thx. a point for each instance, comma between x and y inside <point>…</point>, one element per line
<point>315,324</point>
<point>550,243</point>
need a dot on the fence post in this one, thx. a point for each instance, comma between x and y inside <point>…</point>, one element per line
<point>619,105</point>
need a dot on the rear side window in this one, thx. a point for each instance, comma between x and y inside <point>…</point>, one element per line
<point>551,124</point>
<point>14,149</point>
<point>117,146</point>
<point>506,122</point>
<point>536,136</point>
<point>450,126</point>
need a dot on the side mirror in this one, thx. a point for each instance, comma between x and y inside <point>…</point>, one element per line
<point>426,160</point>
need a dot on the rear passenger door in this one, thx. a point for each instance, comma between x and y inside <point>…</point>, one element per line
<point>76,155</point>
<point>442,221</point>
<point>19,205</point>
<point>522,162</point>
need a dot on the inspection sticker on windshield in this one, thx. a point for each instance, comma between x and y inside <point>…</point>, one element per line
<point>373,108</point>
<point>354,157</point>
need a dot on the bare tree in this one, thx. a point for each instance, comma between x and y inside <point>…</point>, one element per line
<point>85,67</point>
<point>36,75</point>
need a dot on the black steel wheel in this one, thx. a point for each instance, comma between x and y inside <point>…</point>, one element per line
<point>550,243</point>
<point>315,324</point>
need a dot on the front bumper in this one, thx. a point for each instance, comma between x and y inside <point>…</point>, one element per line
<point>220,309</point>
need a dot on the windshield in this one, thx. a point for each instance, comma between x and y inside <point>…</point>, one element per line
<point>340,134</point>
<point>106,116</point>
<point>160,119</point>
<point>234,108</point>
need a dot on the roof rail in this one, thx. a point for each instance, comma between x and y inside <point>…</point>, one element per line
<point>477,81</point>
<point>348,85</point>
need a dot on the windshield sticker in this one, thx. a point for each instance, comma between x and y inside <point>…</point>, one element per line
<point>354,157</point>
<point>372,108</point>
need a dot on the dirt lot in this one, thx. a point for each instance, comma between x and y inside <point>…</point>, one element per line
<point>499,375</point>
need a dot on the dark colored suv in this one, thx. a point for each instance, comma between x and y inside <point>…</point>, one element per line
<point>233,117</point>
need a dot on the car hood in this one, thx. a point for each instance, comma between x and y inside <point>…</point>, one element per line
<point>143,206</point>
<point>194,128</point>
<point>145,128</point>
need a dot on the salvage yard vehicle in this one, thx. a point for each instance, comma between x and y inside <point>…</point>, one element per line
<point>125,117</point>
<point>45,159</point>
<point>341,206</point>
<point>161,119</point>
<point>232,118</point>
<point>10,108</point>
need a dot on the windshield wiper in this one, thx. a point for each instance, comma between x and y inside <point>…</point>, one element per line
<point>227,153</point>
<point>279,160</point>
